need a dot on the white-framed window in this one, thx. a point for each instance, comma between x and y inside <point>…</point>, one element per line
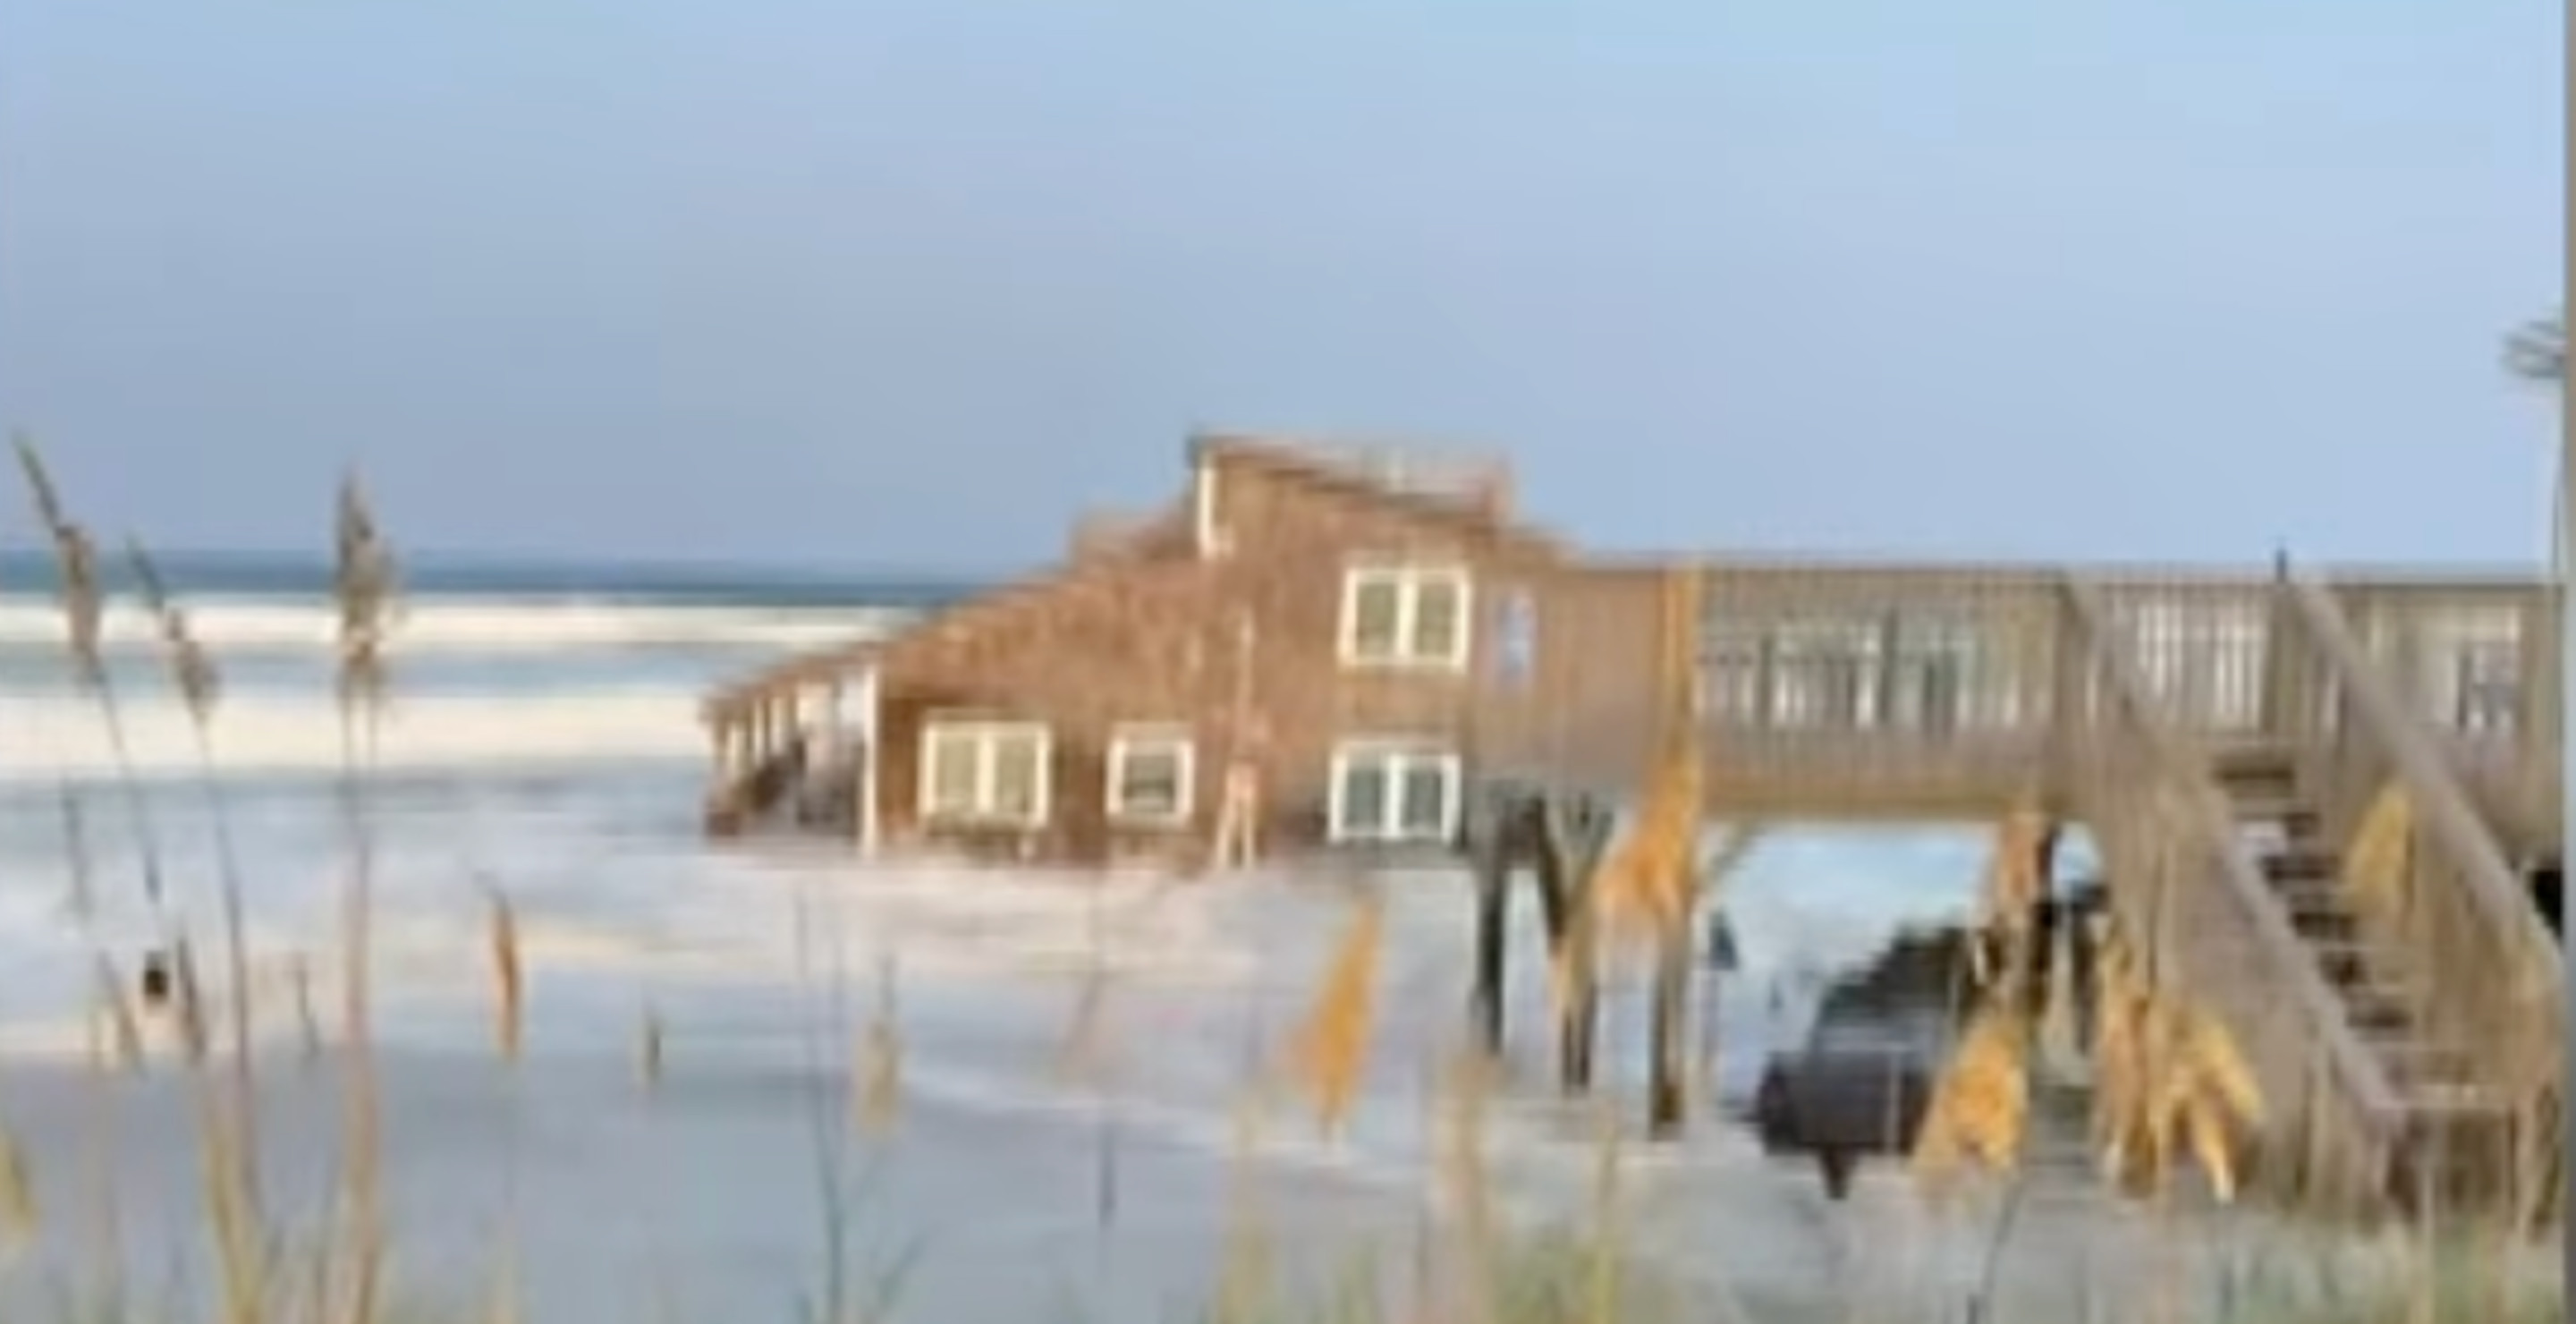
<point>1389,790</point>
<point>1152,770</point>
<point>985,771</point>
<point>1407,616</point>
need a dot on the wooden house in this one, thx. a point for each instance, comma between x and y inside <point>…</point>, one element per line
<point>1304,647</point>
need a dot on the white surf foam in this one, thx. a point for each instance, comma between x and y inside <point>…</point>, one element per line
<point>1204,980</point>
<point>463,624</point>
<point>271,735</point>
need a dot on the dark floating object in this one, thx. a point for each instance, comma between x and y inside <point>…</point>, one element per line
<point>156,979</point>
<point>1861,1083</point>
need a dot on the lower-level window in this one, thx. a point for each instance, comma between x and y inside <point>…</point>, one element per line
<point>1394,790</point>
<point>984,772</point>
<point>1151,770</point>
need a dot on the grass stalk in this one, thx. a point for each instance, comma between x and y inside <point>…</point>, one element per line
<point>227,1181</point>
<point>231,1124</point>
<point>363,587</point>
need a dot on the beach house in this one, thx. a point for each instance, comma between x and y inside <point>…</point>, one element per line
<point>1307,646</point>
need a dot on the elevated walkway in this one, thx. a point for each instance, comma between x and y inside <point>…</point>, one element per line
<point>2225,741</point>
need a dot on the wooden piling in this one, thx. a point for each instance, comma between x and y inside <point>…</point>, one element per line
<point>1669,1067</point>
<point>1678,773</point>
<point>1570,847</point>
<point>1497,851</point>
<point>1560,842</point>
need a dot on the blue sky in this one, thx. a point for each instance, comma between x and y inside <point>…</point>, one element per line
<point>905,284</point>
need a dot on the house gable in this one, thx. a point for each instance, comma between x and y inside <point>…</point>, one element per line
<point>1254,496</point>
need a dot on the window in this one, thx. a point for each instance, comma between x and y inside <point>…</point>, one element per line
<point>1151,772</point>
<point>984,772</point>
<point>1388,791</point>
<point>1515,658</point>
<point>1406,616</point>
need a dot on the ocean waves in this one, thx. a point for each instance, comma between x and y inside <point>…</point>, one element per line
<point>480,682</point>
<point>530,625</point>
<point>50,737</point>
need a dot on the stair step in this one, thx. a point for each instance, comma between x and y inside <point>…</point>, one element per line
<point>2369,1013</point>
<point>2353,964</point>
<point>2263,759</point>
<point>2301,864</point>
<point>2415,1053</point>
<point>2374,996</point>
<point>2266,805</point>
<point>2324,924</point>
<point>2352,948</point>
<point>2310,891</point>
<point>2452,1100</point>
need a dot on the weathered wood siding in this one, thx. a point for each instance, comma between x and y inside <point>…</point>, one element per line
<point>1159,637</point>
<point>1292,538</point>
<point>1083,652</point>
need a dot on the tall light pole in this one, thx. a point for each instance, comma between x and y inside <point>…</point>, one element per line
<point>2538,353</point>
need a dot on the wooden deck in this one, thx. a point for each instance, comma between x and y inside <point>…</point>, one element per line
<point>2221,738</point>
<point>1880,693</point>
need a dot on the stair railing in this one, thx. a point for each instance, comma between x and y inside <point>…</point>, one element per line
<point>2183,884</point>
<point>2492,981</point>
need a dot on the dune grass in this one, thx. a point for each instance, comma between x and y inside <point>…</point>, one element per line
<point>1473,1265</point>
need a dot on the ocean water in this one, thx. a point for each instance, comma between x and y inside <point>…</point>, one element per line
<point>543,740</point>
<point>543,745</point>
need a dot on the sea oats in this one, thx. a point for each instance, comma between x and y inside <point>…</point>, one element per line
<point>880,1092</point>
<point>880,1061</point>
<point>2015,882</point>
<point>2379,859</point>
<point>1980,1107</point>
<point>308,1025</point>
<point>363,587</point>
<point>125,1033</point>
<point>1332,1048</point>
<point>18,1220</point>
<point>648,1047</point>
<point>75,563</point>
<point>509,990</point>
<point>2169,1077</point>
<point>363,590</point>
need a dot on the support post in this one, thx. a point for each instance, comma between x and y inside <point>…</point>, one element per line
<point>871,759</point>
<point>1571,842</point>
<point>1665,1096</point>
<point>1496,856</point>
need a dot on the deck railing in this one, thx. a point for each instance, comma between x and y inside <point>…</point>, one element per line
<point>1900,688</point>
<point>2478,665</point>
<point>1933,688</point>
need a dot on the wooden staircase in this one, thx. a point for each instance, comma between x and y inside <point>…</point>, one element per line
<point>2454,1118</point>
<point>2407,1054</point>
